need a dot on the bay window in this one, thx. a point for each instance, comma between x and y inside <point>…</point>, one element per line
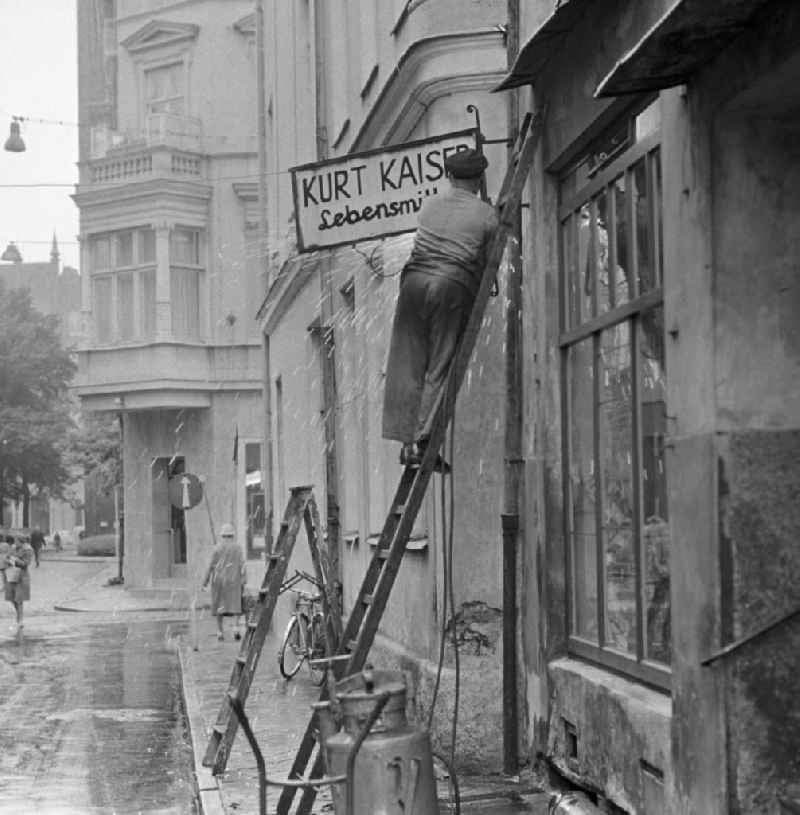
<point>613,401</point>
<point>123,285</point>
<point>185,269</point>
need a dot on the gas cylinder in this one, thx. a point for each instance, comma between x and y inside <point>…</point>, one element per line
<point>393,772</point>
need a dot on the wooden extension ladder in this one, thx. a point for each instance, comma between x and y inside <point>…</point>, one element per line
<point>362,625</point>
<point>301,509</point>
<point>353,646</point>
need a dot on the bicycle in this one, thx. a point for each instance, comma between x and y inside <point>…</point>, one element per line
<point>304,640</point>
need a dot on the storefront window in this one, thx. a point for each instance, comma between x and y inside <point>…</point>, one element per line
<point>614,385</point>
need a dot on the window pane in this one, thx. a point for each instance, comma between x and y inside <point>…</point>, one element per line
<point>624,282</point>
<point>147,246</point>
<point>147,307</point>
<point>654,486</point>
<point>569,236</point>
<point>658,226</point>
<point>606,296</point>
<point>183,246</point>
<point>125,306</point>
<point>582,518</point>
<point>185,297</point>
<point>616,455</point>
<point>124,241</point>
<point>645,254</point>
<point>101,308</point>
<point>163,82</point>
<point>648,121</point>
<point>101,260</point>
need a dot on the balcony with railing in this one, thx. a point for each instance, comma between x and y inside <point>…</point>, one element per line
<point>169,146</point>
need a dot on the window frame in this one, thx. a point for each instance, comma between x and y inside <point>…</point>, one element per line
<point>589,328</point>
<point>177,62</point>
<point>113,271</point>
<point>195,267</point>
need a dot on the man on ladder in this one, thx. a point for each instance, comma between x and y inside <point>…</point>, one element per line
<point>437,288</point>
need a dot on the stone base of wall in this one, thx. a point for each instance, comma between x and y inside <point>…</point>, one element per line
<point>479,738</point>
<point>609,735</point>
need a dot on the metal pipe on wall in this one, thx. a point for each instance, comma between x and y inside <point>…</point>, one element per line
<point>513,473</point>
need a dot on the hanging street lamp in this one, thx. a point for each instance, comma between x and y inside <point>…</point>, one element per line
<point>14,143</point>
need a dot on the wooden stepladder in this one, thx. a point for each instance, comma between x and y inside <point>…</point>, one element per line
<point>301,510</point>
<point>362,625</point>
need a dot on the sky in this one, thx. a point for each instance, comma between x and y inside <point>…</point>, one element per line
<point>39,80</point>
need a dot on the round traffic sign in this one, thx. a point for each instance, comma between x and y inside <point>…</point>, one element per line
<point>185,491</point>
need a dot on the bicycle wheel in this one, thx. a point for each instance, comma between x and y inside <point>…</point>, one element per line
<point>317,648</point>
<point>292,652</point>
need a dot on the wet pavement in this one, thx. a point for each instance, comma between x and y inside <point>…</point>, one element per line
<point>91,717</point>
<point>91,721</point>
<point>92,708</point>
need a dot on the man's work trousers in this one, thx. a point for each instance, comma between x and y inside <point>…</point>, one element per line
<point>431,313</point>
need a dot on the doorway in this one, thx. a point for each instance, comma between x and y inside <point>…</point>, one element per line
<point>169,522</point>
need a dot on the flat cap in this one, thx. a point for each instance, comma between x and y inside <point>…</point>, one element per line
<point>466,164</point>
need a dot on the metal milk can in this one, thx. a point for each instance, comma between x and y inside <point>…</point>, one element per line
<point>393,770</point>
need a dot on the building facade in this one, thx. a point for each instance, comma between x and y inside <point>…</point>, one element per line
<point>169,248</point>
<point>346,77</point>
<point>662,406</point>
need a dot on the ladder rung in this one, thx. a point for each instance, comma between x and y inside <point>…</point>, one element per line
<point>273,557</point>
<point>399,509</point>
<point>367,599</point>
<point>241,660</point>
<point>263,592</point>
<point>352,644</point>
<point>382,553</point>
<point>219,729</point>
<point>252,625</point>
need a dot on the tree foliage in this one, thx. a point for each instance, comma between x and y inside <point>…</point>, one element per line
<point>96,447</point>
<point>35,409</point>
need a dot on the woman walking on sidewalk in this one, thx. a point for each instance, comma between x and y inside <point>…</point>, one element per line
<point>227,574</point>
<point>14,564</point>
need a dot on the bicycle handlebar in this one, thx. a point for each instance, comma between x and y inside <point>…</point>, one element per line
<point>298,575</point>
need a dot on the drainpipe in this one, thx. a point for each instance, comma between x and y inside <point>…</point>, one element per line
<point>513,473</point>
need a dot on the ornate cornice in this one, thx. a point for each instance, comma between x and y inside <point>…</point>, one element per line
<point>426,71</point>
<point>159,34</point>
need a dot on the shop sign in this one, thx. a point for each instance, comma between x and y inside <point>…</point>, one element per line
<point>363,196</point>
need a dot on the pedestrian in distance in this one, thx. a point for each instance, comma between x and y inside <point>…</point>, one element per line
<point>438,285</point>
<point>227,576</point>
<point>17,579</point>
<point>37,543</point>
<point>57,542</point>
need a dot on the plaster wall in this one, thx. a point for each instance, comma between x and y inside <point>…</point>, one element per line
<point>756,170</point>
<point>226,108</point>
<point>205,439</point>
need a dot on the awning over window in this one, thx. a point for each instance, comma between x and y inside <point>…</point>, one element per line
<point>538,50</point>
<point>687,36</point>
